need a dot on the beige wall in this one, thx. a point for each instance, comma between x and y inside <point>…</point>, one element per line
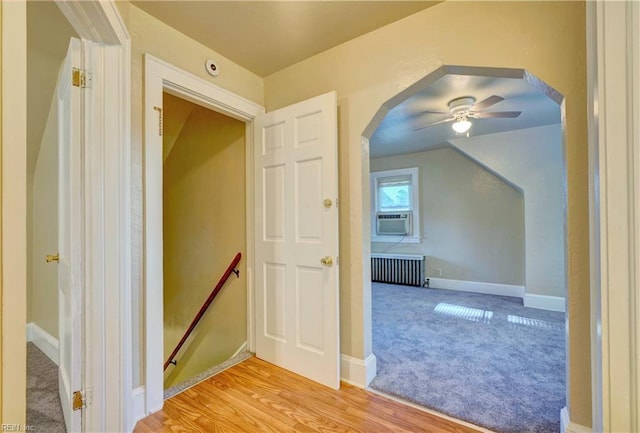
<point>545,38</point>
<point>42,292</point>
<point>472,222</point>
<point>149,35</point>
<point>176,111</point>
<point>1,225</point>
<point>204,227</point>
<point>532,160</point>
<point>48,34</point>
<point>14,212</point>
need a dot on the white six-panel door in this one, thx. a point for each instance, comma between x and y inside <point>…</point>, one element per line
<point>69,236</point>
<point>296,239</point>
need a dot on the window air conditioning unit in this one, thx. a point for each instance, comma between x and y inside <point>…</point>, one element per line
<point>393,223</point>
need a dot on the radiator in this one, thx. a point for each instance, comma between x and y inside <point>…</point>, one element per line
<point>405,269</point>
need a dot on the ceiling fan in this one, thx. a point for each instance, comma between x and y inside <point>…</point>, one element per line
<point>465,108</point>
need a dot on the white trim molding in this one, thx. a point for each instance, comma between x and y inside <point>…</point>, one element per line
<point>101,18</point>
<point>566,426</point>
<point>358,372</point>
<point>396,239</point>
<point>397,256</point>
<point>161,76</point>
<point>138,398</point>
<point>477,287</point>
<point>613,45</point>
<point>544,302</point>
<point>107,364</point>
<point>241,349</point>
<point>594,214</point>
<point>564,419</point>
<point>43,341</point>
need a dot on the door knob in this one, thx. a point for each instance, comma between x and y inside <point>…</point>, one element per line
<point>52,258</point>
<point>327,261</point>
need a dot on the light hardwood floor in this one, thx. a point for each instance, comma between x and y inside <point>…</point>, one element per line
<point>255,396</point>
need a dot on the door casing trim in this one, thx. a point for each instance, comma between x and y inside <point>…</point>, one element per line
<point>162,76</point>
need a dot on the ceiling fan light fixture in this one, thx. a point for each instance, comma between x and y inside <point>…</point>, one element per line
<point>461,125</point>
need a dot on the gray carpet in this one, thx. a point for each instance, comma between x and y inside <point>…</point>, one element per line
<point>44,411</point>
<point>481,358</point>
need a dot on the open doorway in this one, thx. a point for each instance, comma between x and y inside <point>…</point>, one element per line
<point>302,136</point>
<point>48,36</point>
<point>192,98</point>
<point>481,336</point>
<point>204,198</point>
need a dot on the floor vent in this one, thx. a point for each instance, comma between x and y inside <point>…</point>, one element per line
<point>405,269</point>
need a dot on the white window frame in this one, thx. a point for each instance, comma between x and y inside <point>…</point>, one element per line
<point>375,178</point>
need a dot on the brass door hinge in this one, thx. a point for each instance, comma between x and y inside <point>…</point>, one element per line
<point>53,258</point>
<point>78,400</point>
<point>81,78</point>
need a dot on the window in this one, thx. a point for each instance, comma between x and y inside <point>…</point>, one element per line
<point>394,195</point>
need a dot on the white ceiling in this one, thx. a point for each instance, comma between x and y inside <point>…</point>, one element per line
<point>266,36</point>
<point>397,134</point>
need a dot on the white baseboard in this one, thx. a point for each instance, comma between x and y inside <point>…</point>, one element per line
<point>566,426</point>
<point>477,287</point>
<point>242,348</point>
<point>564,419</point>
<point>138,404</point>
<point>543,302</point>
<point>356,371</point>
<point>43,341</point>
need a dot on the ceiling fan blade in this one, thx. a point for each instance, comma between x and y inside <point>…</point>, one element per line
<point>449,119</point>
<point>491,100</point>
<point>434,112</point>
<point>421,113</point>
<point>496,114</point>
<point>419,117</point>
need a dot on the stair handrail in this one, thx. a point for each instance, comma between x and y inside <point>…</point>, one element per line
<point>230,269</point>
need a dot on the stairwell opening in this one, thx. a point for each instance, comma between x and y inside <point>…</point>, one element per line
<point>204,200</point>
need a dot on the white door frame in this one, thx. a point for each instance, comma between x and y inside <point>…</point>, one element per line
<point>107,258</point>
<point>161,76</point>
<point>71,110</point>
<point>613,50</point>
<point>107,185</point>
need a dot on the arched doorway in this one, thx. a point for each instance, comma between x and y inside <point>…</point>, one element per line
<point>516,142</point>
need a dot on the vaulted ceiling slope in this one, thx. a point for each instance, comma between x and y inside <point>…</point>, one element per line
<point>47,41</point>
<point>267,36</point>
<point>417,118</point>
